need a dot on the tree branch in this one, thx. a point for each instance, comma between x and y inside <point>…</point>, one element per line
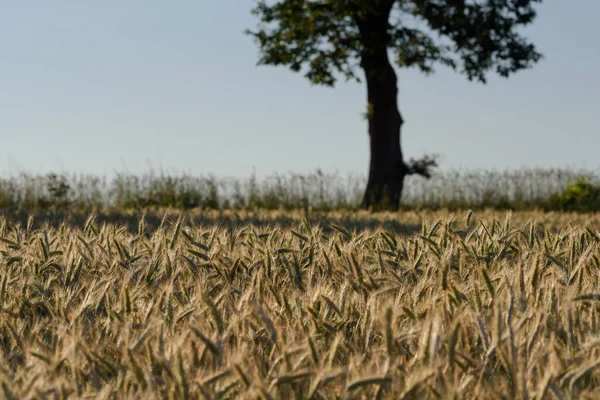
<point>423,166</point>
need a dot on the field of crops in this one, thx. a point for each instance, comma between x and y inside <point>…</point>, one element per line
<point>293,305</point>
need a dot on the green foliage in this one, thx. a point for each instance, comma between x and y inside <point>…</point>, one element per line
<point>58,189</point>
<point>52,191</point>
<point>151,190</point>
<point>580,195</point>
<point>329,37</point>
<point>453,190</point>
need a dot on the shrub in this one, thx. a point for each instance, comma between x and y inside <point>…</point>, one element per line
<point>580,195</point>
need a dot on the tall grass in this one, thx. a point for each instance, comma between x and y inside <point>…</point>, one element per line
<point>478,306</point>
<point>456,189</point>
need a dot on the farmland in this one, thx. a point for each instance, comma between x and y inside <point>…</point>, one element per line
<point>296,305</point>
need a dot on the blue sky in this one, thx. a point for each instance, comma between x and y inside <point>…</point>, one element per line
<point>105,86</point>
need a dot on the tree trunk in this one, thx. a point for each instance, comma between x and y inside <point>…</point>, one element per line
<point>387,169</point>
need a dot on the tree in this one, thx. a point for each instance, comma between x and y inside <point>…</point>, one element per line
<point>331,38</point>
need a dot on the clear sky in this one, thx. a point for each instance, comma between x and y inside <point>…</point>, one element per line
<point>105,86</point>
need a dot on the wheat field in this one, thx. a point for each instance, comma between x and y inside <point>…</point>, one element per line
<point>293,306</point>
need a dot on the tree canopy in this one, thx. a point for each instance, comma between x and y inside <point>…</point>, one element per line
<point>324,39</point>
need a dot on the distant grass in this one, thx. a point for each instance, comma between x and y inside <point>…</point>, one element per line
<point>294,305</point>
<point>452,190</point>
